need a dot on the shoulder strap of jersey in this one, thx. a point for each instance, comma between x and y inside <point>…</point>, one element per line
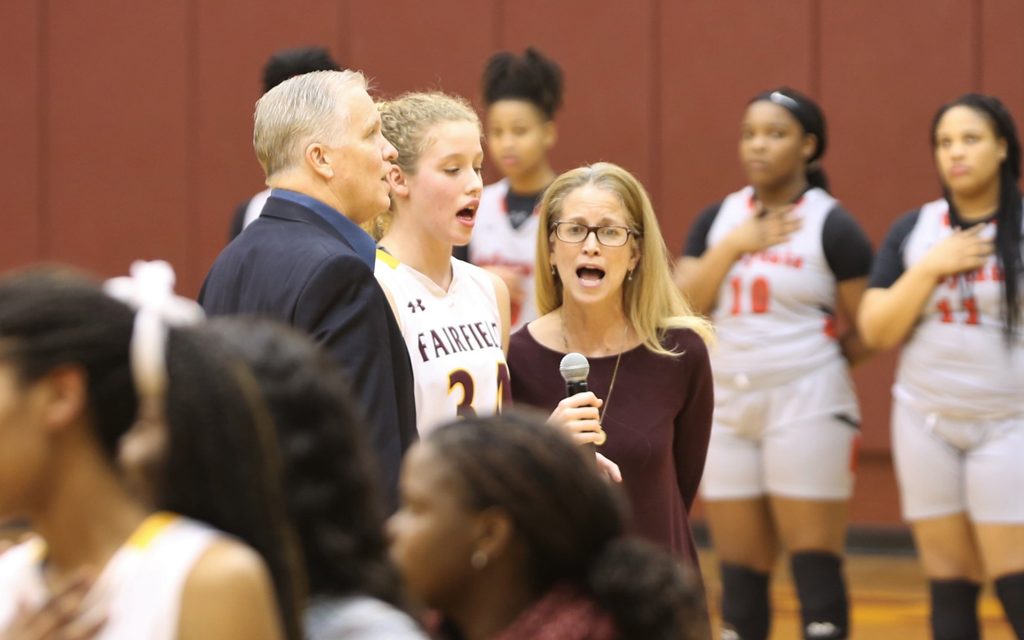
<point>737,201</point>
<point>818,197</point>
<point>387,258</point>
<point>935,209</point>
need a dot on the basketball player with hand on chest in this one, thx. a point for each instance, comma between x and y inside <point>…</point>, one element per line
<point>947,285</point>
<point>772,265</point>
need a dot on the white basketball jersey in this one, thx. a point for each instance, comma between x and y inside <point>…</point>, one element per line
<point>775,311</point>
<point>453,338</point>
<point>957,361</point>
<point>139,590</point>
<point>496,242</point>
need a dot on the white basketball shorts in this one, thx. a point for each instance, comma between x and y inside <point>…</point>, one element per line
<point>796,440</point>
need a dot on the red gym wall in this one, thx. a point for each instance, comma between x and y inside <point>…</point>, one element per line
<point>126,125</point>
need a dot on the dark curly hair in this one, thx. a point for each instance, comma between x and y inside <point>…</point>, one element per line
<point>328,475</point>
<point>1008,215</point>
<point>532,77</point>
<point>288,63</point>
<point>572,522</point>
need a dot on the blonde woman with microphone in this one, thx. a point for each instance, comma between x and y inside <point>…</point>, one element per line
<point>604,290</point>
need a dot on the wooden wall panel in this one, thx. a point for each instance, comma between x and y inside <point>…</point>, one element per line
<point>116,121</point>
<point>714,58</point>
<point>1001,64</point>
<point>418,46</point>
<point>881,81</point>
<point>225,82</point>
<point>22,217</point>
<point>605,51</point>
<point>435,46</point>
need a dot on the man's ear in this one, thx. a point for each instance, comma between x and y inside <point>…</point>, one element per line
<point>64,395</point>
<point>398,181</point>
<point>317,156</point>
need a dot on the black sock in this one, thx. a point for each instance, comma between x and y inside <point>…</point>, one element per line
<point>824,607</point>
<point>745,607</point>
<point>1010,589</point>
<point>955,609</point>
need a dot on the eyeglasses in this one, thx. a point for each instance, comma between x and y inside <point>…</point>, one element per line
<point>609,236</point>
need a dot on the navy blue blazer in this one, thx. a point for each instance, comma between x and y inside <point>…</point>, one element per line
<point>292,265</point>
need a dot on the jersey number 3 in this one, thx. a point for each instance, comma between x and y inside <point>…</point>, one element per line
<point>462,378</point>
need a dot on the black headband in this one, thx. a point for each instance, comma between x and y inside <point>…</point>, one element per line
<point>806,113</point>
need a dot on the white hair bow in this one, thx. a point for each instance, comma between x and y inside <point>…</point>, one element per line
<point>150,290</point>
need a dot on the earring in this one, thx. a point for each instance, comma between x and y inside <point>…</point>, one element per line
<point>479,559</point>
<point>554,271</point>
<point>629,276</point>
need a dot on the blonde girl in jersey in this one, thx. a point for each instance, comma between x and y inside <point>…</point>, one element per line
<point>947,284</point>
<point>77,370</point>
<point>454,316</point>
<point>774,265</point>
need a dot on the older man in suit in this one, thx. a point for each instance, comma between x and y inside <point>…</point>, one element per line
<point>307,262</point>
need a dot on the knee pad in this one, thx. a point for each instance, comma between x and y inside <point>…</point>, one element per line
<point>824,607</point>
<point>745,608</point>
<point>954,613</point>
<point>1010,589</point>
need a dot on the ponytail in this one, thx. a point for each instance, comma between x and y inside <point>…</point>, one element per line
<point>648,593</point>
<point>816,176</point>
<point>571,523</point>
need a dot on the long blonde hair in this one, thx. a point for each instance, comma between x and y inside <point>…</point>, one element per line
<point>650,299</point>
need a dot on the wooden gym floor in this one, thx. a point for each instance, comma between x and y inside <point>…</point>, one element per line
<point>888,594</point>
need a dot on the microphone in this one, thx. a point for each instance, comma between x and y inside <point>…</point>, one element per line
<point>574,369</point>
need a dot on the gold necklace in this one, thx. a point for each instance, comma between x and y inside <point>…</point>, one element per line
<point>615,370</point>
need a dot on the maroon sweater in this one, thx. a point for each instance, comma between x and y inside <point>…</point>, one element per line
<point>658,422</point>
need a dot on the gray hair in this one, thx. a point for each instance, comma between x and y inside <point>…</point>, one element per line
<point>298,111</point>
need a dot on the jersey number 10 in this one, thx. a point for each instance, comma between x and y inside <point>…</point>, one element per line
<point>759,295</point>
